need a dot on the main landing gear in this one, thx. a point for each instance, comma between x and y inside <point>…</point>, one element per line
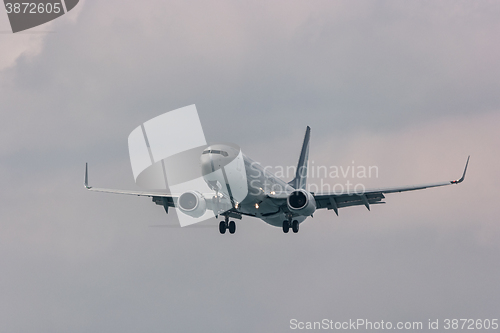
<point>287,224</point>
<point>223,225</point>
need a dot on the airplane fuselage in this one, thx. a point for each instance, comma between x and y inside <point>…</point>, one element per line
<point>258,182</point>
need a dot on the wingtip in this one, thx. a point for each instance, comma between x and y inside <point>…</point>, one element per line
<point>86,181</point>
<point>463,176</point>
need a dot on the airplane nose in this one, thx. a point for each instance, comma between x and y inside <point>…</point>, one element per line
<point>223,167</point>
<point>207,164</point>
<point>212,160</point>
<point>215,157</point>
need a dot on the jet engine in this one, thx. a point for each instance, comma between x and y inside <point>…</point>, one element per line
<point>301,202</point>
<point>192,203</point>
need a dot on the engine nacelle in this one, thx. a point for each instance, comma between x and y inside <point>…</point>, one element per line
<point>301,202</point>
<point>192,203</point>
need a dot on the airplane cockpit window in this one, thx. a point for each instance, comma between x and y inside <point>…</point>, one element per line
<point>214,151</point>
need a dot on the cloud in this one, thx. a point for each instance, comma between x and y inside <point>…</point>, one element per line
<point>411,88</point>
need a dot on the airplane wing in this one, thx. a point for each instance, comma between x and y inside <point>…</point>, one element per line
<point>164,199</point>
<point>372,196</point>
<point>139,193</point>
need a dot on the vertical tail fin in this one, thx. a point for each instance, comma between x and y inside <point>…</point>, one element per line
<point>299,182</point>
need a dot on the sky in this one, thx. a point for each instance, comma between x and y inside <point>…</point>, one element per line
<point>409,87</point>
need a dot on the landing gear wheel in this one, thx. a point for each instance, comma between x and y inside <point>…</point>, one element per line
<point>222,227</point>
<point>232,227</point>
<point>295,226</point>
<point>286,226</point>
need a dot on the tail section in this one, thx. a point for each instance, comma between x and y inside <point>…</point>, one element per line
<point>299,182</point>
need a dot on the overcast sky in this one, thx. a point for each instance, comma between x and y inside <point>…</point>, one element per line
<point>410,87</point>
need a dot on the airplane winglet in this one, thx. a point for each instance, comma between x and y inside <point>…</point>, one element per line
<point>463,176</point>
<point>86,184</point>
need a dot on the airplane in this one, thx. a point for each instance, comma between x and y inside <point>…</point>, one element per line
<point>286,208</point>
